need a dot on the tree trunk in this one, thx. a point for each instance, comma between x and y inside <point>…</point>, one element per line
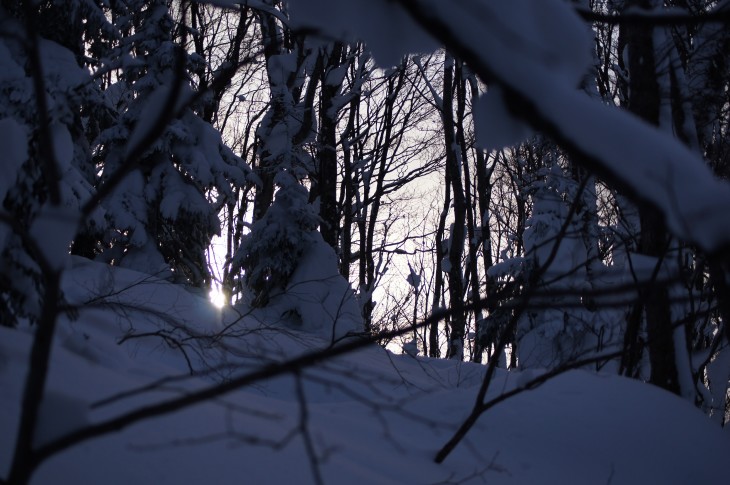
<point>456,239</point>
<point>644,101</point>
<point>326,153</point>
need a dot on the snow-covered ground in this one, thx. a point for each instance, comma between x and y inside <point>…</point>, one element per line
<point>363,418</point>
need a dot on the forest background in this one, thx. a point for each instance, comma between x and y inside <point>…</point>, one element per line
<point>533,186</point>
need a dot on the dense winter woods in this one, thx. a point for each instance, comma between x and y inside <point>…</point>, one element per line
<point>529,185</point>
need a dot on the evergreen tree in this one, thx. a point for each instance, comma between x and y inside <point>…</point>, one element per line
<point>164,213</point>
<point>47,98</point>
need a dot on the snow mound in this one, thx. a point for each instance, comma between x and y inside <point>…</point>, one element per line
<point>364,417</point>
<point>60,413</point>
<point>317,298</point>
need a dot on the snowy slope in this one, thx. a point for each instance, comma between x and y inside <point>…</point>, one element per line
<point>369,417</point>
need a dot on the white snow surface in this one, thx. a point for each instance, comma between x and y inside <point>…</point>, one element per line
<point>387,27</point>
<point>495,127</point>
<point>53,230</point>
<point>317,298</point>
<point>372,417</point>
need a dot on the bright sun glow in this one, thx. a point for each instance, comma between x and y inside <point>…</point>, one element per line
<point>217,298</point>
